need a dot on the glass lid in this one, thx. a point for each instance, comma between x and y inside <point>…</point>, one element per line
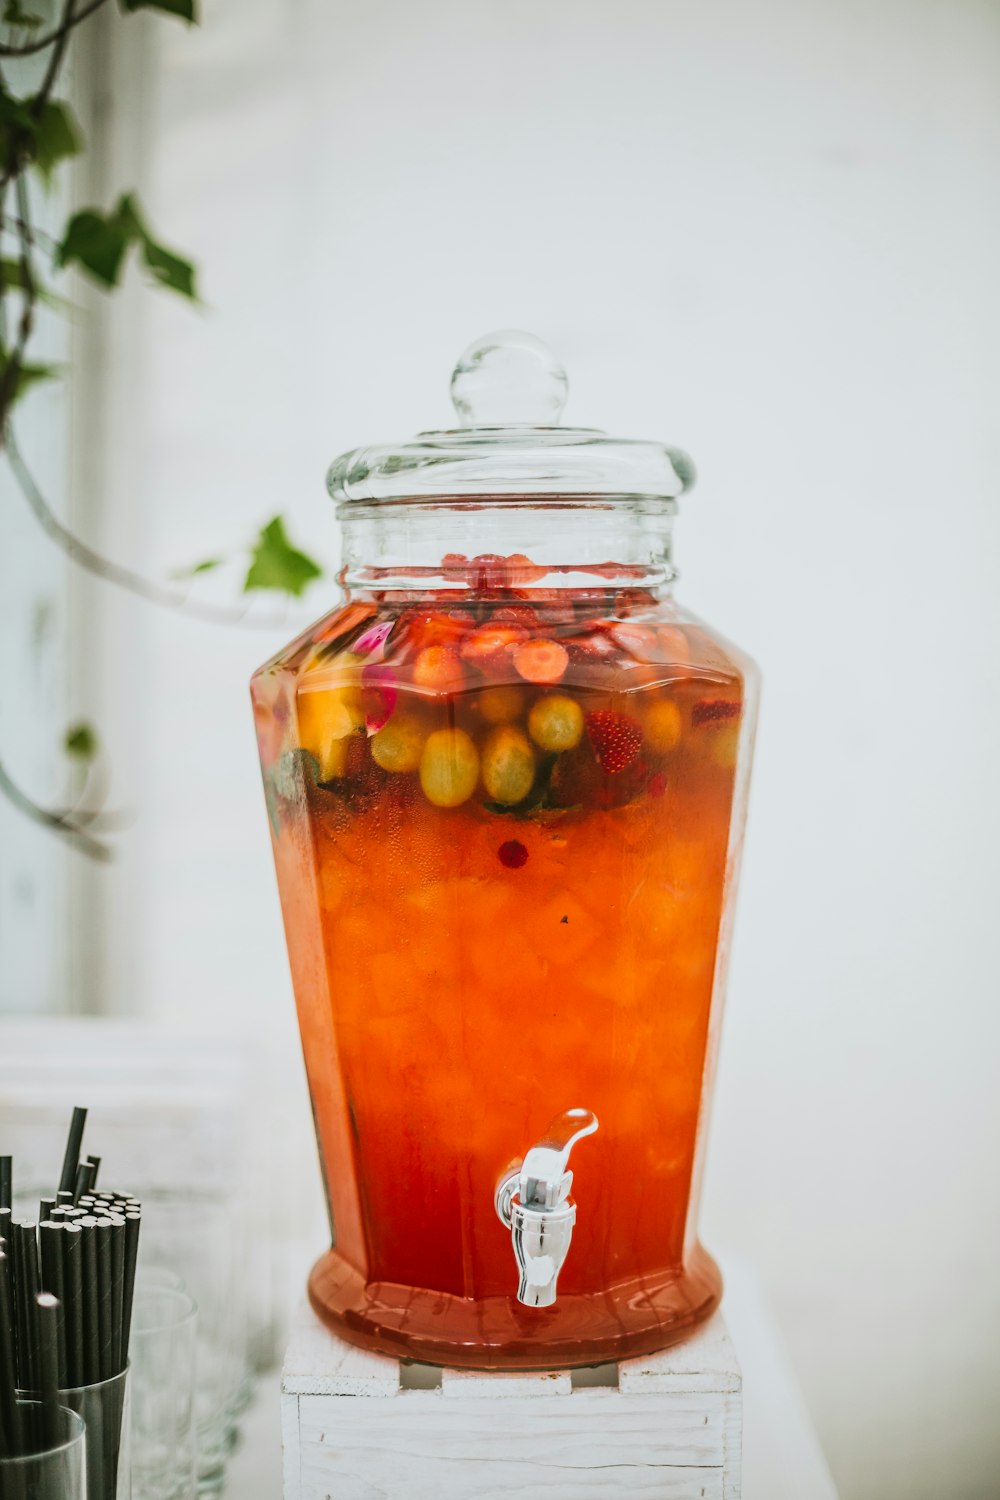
<point>508,391</point>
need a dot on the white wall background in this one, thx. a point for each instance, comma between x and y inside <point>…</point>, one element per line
<point>768,231</point>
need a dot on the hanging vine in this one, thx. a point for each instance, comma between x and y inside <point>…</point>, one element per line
<point>39,132</point>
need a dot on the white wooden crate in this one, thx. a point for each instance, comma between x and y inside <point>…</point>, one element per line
<point>359,1426</point>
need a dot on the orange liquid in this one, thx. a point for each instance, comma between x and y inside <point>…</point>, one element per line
<point>462,974</point>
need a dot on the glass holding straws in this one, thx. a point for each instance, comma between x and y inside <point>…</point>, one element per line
<point>67,1290</point>
<point>45,1466</point>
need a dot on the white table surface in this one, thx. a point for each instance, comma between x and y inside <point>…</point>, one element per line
<point>782,1459</point>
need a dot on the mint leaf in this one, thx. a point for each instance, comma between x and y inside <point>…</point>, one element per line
<point>276,564</point>
<point>81,741</point>
<point>186,9</point>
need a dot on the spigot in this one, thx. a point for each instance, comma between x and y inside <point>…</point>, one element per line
<point>533,1201</point>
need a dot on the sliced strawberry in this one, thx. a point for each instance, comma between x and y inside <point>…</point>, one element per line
<point>520,569</point>
<point>616,738</point>
<point>628,601</point>
<point>419,628</point>
<point>490,646</point>
<point>488,571</point>
<point>541,660</point>
<point>714,711</point>
<point>521,615</point>
<point>590,648</point>
<point>640,641</point>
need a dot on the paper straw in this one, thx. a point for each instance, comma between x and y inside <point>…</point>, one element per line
<point>81,1182</point>
<point>10,1426</point>
<point>74,1311</point>
<point>50,1244</point>
<point>71,1159</point>
<point>6,1182</point>
<point>91,1318</point>
<point>118,1232</point>
<point>133,1221</point>
<point>106,1322</point>
<point>46,1319</point>
<point>25,1292</point>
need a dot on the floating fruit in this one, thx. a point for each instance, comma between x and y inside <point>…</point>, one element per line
<point>371,642</point>
<point>508,764</point>
<point>714,711</point>
<point>541,661</point>
<point>556,722</point>
<point>639,641</point>
<point>340,674</point>
<point>513,854</point>
<point>418,628</point>
<point>500,705</point>
<point>449,767</point>
<point>661,726</point>
<point>398,746</point>
<point>515,614</point>
<point>616,739</point>
<point>438,668</point>
<point>520,569</point>
<point>378,695</point>
<point>723,746</point>
<point>675,648</point>
<point>489,648</point>
<point>325,722</point>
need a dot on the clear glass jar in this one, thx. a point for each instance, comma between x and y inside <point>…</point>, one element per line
<point>506,781</point>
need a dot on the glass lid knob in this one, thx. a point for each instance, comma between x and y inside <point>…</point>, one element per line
<point>509,379</point>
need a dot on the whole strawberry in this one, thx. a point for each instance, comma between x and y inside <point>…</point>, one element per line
<point>616,739</point>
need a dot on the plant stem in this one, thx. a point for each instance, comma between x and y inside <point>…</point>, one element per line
<point>57,821</point>
<point>126,578</point>
<point>26,49</point>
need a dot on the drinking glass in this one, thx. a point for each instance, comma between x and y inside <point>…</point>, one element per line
<point>54,1472</point>
<point>162,1351</point>
<point>200,1238</point>
<point>104,1409</point>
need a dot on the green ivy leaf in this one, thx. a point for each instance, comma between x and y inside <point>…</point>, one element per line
<point>32,375</point>
<point>186,9</point>
<point>97,244</point>
<point>200,567</point>
<point>81,741</point>
<point>13,15</point>
<point>17,130</point>
<point>169,270</point>
<point>276,564</point>
<point>11,271</point>
<point>57,136</point>
<point>28,375</point>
